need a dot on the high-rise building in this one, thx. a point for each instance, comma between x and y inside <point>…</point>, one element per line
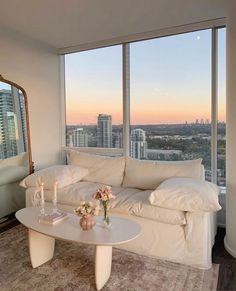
<point>12,123</point>
<point>104,131</point>
<point>117,140</point>
<point>23,118</point>
<point>78,138</point>
<point>138,144</point>
<point>8,146</point>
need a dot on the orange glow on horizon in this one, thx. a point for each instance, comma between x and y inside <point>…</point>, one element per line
<point>85,115</point>
<point>169,111</point>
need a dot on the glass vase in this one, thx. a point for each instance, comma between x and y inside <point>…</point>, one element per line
<point>106,218</point>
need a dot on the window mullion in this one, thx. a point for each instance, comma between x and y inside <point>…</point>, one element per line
<point>126,97</point>
<point>214,104</point>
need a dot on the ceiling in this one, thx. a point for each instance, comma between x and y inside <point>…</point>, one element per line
<point>67,23</point>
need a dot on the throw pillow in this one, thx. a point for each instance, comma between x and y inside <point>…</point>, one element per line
<point>63,174</point>
<point>186,194</point>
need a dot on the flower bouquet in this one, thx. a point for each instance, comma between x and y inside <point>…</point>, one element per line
<point>87,211</point>
<point>104,195</point>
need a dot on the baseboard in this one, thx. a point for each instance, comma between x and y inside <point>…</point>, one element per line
<point>3,219</point>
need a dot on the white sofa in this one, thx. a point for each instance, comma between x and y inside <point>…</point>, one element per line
<point>171,234</point>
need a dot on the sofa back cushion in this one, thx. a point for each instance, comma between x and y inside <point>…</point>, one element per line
<point>19,160</point>
<point>149,174</point>
<point>102,169</point>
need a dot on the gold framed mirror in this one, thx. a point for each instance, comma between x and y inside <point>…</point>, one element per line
<point>15,146</point>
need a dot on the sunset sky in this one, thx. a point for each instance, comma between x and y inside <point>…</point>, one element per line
<point>170,80</point>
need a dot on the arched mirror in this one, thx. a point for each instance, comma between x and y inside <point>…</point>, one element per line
<point>15,150</point>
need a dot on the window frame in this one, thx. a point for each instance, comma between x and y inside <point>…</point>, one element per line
<point>214,25</point>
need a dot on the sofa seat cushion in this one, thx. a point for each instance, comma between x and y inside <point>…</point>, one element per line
<point>75,193</point>
<point>136,202</point>
<point>128,201</point>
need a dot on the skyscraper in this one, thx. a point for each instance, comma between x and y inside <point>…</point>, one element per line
<point>12,124</point>
<point>104,131</point>
<point>78,138</point>
<point>117,140</point>
<point>138,144</point>
<point>7,125</point>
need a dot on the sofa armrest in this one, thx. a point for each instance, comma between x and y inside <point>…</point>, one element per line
<point>200,231</point>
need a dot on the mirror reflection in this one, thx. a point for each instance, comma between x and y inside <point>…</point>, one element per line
<point>15,154</point>
<point>13,134</point>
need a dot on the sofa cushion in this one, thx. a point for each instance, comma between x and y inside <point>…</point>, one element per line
<point>75,193</point>
<point>143,174</point>
<point>186,194</point>
<point>18,160</point>
<point>136,202</point>
<point>127,201</point>
<point>11,174</point>
<point>102,169</point>
<point>64,175</point>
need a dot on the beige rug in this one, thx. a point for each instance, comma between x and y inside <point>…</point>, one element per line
<point>72,268</point>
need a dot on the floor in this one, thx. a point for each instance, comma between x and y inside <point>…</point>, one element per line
<point>227,272</point>
<point>10,222</point>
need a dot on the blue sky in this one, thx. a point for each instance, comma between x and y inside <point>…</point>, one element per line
<point>170,80</point>
<point>4,86</point>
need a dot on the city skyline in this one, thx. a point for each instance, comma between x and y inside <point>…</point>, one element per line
<point>206,121</point>
<point>155,142</point>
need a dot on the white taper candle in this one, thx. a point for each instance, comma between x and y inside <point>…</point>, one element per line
<point>42,192</point>
<point>55,191</point>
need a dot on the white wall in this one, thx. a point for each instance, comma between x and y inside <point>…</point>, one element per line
<point>36,68</point>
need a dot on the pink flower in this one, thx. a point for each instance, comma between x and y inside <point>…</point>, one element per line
<point>104,194</point>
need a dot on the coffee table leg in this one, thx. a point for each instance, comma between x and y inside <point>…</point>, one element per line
<point>41,248</point>
<point>103,259</point>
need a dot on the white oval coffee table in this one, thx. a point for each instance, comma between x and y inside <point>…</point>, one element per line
<point>42,238</point>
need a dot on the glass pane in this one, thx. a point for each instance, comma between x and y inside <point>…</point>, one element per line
<point>171,98</point>
<point>221,107</point>
<point>94,98</point>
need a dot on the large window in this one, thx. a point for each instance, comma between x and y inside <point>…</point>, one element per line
<point>171,98</point>
<point>94,98</point>
<point>171,105</point>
